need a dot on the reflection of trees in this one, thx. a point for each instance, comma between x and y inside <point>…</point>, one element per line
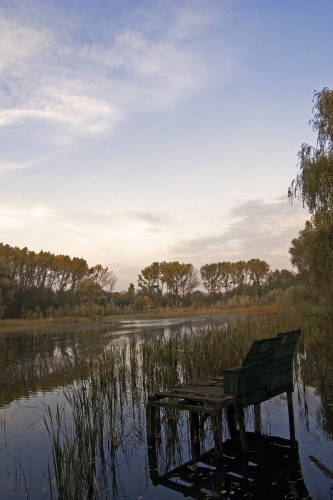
<point>316,370</point>
<point>98,433</point>
<point>100,428</point>
<point>39,362</point>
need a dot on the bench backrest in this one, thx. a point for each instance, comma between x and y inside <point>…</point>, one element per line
<point>266,371</point>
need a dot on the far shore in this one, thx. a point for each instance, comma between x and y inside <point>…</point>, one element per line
<point>41,325</point>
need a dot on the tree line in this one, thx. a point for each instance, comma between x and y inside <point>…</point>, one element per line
<point>47,284</point>
<point>30,281</point>
<point>174,283</point>
<point>44,284</point>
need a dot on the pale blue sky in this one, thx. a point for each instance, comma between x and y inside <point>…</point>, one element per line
<point>135,131</point>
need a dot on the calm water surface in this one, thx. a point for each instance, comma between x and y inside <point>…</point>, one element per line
<point>37,369</point>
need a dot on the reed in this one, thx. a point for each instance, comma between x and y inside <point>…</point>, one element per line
<point>102,423</point>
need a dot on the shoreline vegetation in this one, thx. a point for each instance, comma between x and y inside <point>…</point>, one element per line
<point>101,424</point>
<point>58,324</point>
<point>21,326</point>
<point>150,365</point>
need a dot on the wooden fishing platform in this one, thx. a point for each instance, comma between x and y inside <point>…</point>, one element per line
<point>266,371</point>
<point>271,470</point>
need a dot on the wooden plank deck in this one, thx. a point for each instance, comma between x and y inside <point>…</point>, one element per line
<point>267,371</point>
<point>208,393</point>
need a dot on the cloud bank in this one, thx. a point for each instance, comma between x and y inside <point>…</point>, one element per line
<point>256,230</point>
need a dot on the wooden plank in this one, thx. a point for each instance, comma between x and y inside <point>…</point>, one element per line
<point>254,382</point>
<point>241,428</point>
<point>277,364</point>
<point>266,350</point>
<point>263,395</point>
<point>150,422</point>
<point>230,411</point>
<point>195,396</point>
<point>199,389</point>
<point>186,407</point>
<point>279,379</point>
<point>231,384</point>
<point>291,417</point>
<point>257,419</point>
<point>261,351</point>
<point>217,428</point>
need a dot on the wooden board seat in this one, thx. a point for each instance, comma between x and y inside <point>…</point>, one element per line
<point>266,371</point>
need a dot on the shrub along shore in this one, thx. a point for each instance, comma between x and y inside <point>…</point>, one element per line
<point>21,326</point>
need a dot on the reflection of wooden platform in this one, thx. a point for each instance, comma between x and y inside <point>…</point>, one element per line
<point>270,470</point>
<point>266,371</point>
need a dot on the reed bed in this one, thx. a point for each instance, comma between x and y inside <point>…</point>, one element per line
<point>102,423</point>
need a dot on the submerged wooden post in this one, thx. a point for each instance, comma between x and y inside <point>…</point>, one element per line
<point>231,421</point>
<point>291,417</point>
<point>241,429</point>
<point>257,419</point>
<point>153,464</point>
<point>150,421</point>
<point>217,426</point>
<point>194,433</point>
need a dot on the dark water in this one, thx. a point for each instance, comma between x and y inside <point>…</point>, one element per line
<point>36,370</point>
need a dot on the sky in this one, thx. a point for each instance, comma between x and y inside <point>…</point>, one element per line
<point>142,131</point>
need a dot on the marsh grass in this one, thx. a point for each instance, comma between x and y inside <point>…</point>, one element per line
<point>102,423</point>
<point>68,322</point>
<point>95,430</point>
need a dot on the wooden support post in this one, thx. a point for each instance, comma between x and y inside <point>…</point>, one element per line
<point>217,426</point>
<point>257,419</point>
<point>218,479</point>
<point>245,471</point>
<point>152,464</point>
<point>231,421</point>
<point>194,434</point>
<point>241,428</point>
<point>150,422</point>
<point>291,417</point>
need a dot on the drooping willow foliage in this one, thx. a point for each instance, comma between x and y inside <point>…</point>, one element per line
<point>312,251</point>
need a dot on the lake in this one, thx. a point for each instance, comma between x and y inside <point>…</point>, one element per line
<point>41,375</point>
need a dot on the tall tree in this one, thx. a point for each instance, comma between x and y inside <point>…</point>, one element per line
<point>215,277</point>
<point>239,274</point>
<point>258,274</point>
<point>225,269</point>
<point>312,254</point>
<point>102,277</point>
<point>314,181</point>
<point>210,278</point>
<point>6,287</point>
<point>312,251</point>
<point>150,277</point>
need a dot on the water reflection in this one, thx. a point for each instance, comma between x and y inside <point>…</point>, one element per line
<point>48,379</point>
<point>270,470</point>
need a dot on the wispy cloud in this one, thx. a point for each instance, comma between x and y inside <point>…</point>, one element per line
<point>257,229</point>
<point>7,166</point>
<point>87,85</point>
<point>91,224</point>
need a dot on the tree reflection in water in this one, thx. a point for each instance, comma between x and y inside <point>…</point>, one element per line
<point>91,398</point>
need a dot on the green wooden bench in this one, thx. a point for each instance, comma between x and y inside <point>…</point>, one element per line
<point>266,371</point>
